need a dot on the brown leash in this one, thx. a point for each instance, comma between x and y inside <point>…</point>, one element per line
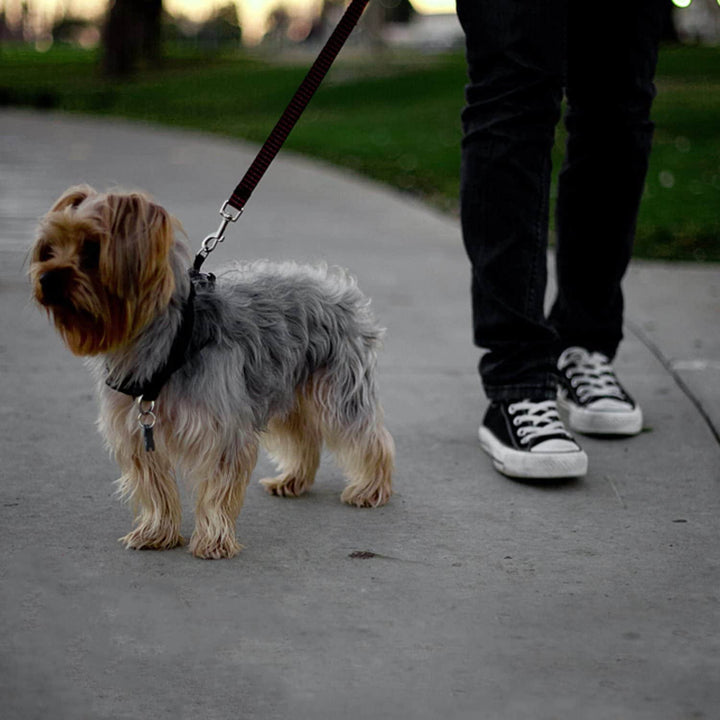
<point>233,207</point>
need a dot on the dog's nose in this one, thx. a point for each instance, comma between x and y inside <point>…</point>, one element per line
<point>53,284</point>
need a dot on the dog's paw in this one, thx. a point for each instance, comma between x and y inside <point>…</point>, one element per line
<point>366,498</point>
<point>214,548</point>
<point>142,538</point>
<point>285,485</point>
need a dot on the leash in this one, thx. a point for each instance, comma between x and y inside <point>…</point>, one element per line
<point>233,207</point>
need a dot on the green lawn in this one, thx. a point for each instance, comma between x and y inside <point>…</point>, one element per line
<point>394,118</point>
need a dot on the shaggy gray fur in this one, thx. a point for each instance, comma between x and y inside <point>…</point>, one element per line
<point>259,334</point>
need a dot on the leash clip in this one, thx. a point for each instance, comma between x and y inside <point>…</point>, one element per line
<point>211,241</point>
<point>228,214</point>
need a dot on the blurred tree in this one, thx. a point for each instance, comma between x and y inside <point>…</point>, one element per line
<point>131,36</point>
<point>221,28</point>
<point>278,24</point>
<point>69,29</point>
<point>398,11</point>
<point>669,31</point>
<point>5,32</point>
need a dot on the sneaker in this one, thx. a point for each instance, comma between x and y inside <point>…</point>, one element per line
<point>528,440</point>
<point>593,398</point>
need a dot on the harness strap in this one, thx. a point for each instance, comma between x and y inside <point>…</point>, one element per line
<point>150,388</point>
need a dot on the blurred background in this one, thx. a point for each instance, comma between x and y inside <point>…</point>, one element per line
<point>390,108</point>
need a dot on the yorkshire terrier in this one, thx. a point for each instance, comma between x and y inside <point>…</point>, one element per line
<point>193,372</point>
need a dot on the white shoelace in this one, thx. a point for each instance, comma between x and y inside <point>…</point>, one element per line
<point>591,374</point>
<point>536,419</point>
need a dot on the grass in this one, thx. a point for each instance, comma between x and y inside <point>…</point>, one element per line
<point>394,118</point>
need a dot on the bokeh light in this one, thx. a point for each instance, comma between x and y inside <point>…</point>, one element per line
<point>253,13</point>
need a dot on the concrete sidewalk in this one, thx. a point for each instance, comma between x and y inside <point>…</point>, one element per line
<point>591,600</point>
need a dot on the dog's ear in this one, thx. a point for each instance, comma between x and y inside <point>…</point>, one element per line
<point>134,258</point>
<point>72,197</point>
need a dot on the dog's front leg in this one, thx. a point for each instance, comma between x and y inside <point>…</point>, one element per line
<point>148,478</point>
<point>148,483</point>
<point>223,478</point>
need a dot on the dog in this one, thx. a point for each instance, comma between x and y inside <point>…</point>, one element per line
<point>194,372</point>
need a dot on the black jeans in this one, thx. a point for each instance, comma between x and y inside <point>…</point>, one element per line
<point>523,57</point>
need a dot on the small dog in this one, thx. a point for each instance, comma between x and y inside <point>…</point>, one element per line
<point>281,354</point>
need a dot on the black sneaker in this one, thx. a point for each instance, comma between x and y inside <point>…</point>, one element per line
<point>527,439</point>
<point>593,398</point>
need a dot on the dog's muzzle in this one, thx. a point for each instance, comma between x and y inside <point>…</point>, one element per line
<point>54,284</point>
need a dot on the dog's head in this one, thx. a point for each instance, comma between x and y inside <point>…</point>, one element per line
<point>100,267</point>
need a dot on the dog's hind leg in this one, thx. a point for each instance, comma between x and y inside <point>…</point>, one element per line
<point>351,422</point>
<point>294,443</point>
<point>367,457</point>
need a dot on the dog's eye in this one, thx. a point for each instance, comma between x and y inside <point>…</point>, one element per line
<point>44,253</point>
<point>90,255</point>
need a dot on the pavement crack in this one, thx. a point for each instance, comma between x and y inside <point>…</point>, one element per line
<point>615,490</point>
<point>369,554</point>
<point>672,371</point>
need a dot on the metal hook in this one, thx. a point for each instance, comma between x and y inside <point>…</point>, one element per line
<point>211,241</point>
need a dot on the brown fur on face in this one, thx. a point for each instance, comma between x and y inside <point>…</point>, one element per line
<point>99,267</point>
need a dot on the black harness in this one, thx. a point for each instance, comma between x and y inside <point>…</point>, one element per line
<point>147,391</point>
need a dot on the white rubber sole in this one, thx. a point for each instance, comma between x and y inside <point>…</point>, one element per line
<point>532,465</point>
<point>601,422</point>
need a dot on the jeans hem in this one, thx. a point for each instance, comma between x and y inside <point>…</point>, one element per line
<point>534,393</point>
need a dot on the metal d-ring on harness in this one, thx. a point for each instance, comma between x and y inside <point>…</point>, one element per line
<point>233,208</point>
<point>146,420</point>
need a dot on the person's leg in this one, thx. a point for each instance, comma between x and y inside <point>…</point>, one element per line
<point>611,64</point>
<point>515,53</point>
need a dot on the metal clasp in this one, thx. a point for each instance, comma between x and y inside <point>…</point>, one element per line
<point>228,214</point>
